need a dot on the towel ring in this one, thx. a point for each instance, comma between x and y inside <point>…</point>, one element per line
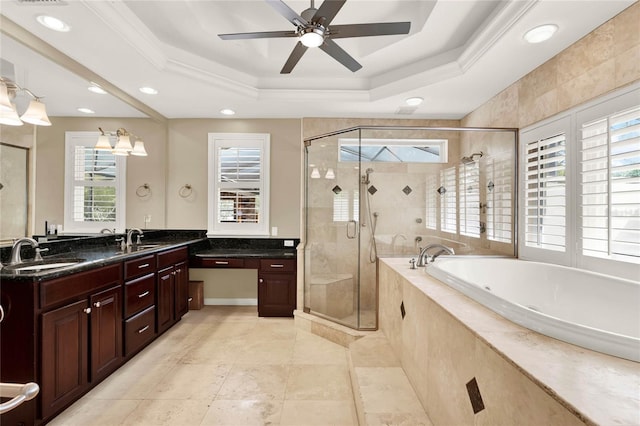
<point>185,191</point>
<point>143,190</point>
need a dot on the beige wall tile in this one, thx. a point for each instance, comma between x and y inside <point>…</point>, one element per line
<point>626,34</point>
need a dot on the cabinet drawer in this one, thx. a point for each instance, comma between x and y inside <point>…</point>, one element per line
<point>139,294</point>
<point>171,257</point>
<point>139,330</point>
<point>77,285</point>
<point>222,262</point>
<point>140,266</point>
<point>277,265</point>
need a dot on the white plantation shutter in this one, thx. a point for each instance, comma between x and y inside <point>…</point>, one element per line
<point>431,201</point>
<point>545,193</point>
<point>341,202</point>
<point>469,190</point>
<point>499,198</point>
<point>238,184</point>
<point>448,201</point>
<point>94,188</point>
<point>610,186</point>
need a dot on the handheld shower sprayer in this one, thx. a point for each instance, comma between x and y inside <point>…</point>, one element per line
<point>365,177</point>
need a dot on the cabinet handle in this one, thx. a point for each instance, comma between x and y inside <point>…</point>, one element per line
<point>277,266</point>
<point>97,304</point>
<point>220,262</point>
<point>143,329</point>
<point>144,265</point>
<point>87,310</point>
<point>260,280</point>
<point>141,295</point>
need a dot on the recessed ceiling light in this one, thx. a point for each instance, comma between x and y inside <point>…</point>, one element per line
<point>414,101</point>
<point>541,33</point>
<point>86,110</point>
<point>149,90</point>
<point>227,111</point>
<point>96,89</point>
<point>53,23</point>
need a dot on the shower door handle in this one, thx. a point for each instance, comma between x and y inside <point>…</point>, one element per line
<point>350,235</point>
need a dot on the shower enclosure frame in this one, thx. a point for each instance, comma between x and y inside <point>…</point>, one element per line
<point>359,129</point>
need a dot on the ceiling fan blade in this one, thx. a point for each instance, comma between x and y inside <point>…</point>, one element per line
<point>295,56</point>
<point>265,34</point>
<point>328,10</point>
<point>290,14</point>
<point>337,53</point>
<point>365,30</point>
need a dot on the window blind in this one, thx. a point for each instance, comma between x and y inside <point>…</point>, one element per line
<point>94,185</point>
<point>469,190</point>
<point>239,172</point>
<point>448,201</point>
<point>431,202</point>
<point>545,193</point>
<point>610,186</point>
<point>499,198</point>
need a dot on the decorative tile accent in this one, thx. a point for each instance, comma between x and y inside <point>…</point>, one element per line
<point>336,190</point>
<point>402,311</point>
<point>474,396</point>
<point>407,190</point>
<point>441,190</point>
<point>491,185</point>
<point>372,190</point>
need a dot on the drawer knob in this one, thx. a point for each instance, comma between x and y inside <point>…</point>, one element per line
<point>260,280</point>
<point>87,310</point>
<point>97,304</point>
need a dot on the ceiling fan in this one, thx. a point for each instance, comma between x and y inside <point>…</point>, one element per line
<point>313,30</point>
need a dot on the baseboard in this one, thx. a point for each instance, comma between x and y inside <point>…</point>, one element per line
<point>231,302</point>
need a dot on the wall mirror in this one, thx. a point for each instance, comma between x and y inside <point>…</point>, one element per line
<point>14,191</point>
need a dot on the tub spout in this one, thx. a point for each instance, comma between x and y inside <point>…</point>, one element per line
<point>423,258</point>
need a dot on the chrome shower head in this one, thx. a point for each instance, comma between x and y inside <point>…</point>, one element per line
<point>365,177</point>
<point>470,159</point>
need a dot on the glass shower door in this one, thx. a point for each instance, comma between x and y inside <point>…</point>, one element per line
<point>332,233</point>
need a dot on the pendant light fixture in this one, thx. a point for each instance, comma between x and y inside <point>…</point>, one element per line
<point>35,114</point>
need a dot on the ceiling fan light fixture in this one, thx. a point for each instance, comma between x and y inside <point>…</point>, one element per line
<point>540,33</point>
<point>312,37</point>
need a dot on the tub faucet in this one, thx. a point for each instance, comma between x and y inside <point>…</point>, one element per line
<point>130,236</point>
<point>15,250</point>
<point>423,258</point>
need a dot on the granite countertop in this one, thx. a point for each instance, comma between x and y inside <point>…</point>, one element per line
<point>94,252</point>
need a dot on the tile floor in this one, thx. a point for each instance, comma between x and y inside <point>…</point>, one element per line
<point>225,366</point>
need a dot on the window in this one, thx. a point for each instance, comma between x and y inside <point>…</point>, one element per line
<point>545,196</point>
<point>394,150</point>
<point>95,191</point>
<point>610,186</point>
<point>448,202</point>
<point>469,190</point>
<point>499,199</point>
<point>239,184</point>
<point>581,191</point>
<point>346,205</point>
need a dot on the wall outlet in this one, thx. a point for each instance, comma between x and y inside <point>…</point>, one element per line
<point>288,243</point>
<point>274,231</point>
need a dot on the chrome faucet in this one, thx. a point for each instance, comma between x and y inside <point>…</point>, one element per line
<point>15,250</point>
<point>423,258</point>
<point>130,236</point>
<point>107,231</point>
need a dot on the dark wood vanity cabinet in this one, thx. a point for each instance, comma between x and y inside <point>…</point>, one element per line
<point>277,287</point>
<point>173,287</point>
<point>81,341</point>
<point>140,303</point>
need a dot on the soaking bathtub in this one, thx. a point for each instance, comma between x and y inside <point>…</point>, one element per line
<point>591,310</point>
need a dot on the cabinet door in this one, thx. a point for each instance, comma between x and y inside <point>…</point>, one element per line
<point>166,291</point>
<point>182,289</point>
<point>64,356</point>
<point>276,294</point>
<point>106,332</point>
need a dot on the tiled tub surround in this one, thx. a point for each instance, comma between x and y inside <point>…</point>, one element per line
<point>446,341</point>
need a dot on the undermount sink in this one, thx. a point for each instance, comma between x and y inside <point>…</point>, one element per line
<point>42,265</point>
<point>145,246</point>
